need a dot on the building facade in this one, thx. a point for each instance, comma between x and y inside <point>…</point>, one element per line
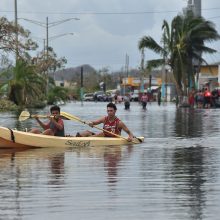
<point>195,6</point>
<point>209,75</point>
<point>151,85</point>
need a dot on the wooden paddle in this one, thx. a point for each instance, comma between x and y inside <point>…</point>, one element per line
<point>25,115</point>
<point>74,118</point>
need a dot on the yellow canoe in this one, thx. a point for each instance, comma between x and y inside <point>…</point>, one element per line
<point>10,138</point>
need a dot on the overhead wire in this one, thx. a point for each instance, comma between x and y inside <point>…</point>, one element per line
<point>94,13</point>
<point>105,13</point>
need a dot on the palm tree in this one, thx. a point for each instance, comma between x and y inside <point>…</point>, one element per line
<point>23,83</point>
<point>193,32</point>
<point>57,93</point>
<point>183,42</point>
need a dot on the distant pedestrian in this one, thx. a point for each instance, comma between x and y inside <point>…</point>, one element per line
<point>199,99</point>
<point>144,99</point>
<point>119,98</point>
<point>95,97</point>
<point>214,97</point>
<point>191,98</point>
<point>177,100</point>
<point>116,98</point>
<point>159,97</point>
<point>127,102</point>
<point>207,98</point>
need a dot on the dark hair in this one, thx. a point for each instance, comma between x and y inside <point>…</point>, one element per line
<point>55,108</point>
<point>112,105</point>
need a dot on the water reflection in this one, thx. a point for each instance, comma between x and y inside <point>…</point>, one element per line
<point>174,174</point>
<point>112,157</point>
<point>189,178</point>
<point>189,123</point>
<point>57,169</point>
<point>22,174</point>
<point>10,190</point>
<point>111,161</point>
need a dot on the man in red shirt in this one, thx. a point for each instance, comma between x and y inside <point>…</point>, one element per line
<point>110,123</point>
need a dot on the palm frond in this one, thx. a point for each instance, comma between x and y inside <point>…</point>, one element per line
<point>150,43</point>
<point>154,63</point>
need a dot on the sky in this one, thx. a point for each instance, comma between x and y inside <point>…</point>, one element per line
<point>106,31</point>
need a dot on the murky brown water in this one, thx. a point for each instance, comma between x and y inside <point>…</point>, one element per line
<point>174,174</point>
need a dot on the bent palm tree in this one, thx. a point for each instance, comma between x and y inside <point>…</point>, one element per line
<point>183,41</point>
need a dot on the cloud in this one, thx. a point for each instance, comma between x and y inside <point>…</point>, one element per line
<point>106,31</point>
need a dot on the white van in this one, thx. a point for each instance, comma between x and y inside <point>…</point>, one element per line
<point>111,93</point>
<point>135,95</point>
<point>88,97</point>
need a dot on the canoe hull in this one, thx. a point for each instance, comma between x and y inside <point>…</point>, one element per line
<point>10,144</point>
<point>14,139</point>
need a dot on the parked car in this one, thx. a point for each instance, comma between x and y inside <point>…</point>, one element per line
<point>100,96</point>
<point>111,94</point>
<point>88,97</point>
<point>134,96</point>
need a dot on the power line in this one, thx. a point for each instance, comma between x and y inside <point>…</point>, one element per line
<point>210,9</point>
<point>105,13</point>
<point>214,17</point>
<point>95,13</point>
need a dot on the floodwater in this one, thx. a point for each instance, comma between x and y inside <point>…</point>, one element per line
<point>174,174</point>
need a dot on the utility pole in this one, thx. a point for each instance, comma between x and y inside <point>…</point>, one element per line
<point>81,86</point>
<point>126,64</point>
<point>142,71</point>
<point>166,82</point>
<point>126,71</point>
<point>142,60</point>
<point>44,47</point>
<point>16,27</point>
<point>47,56</point>
<point>47,38</point>
<point>150,81</point>
<point>47,26</point>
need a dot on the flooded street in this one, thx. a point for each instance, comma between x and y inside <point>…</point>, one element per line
<point>174,174</point>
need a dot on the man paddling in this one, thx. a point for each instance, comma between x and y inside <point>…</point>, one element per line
<point>54,127</point>
<point>111,125</point>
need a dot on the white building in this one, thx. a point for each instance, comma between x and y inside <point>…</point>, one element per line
<point>195,6</point>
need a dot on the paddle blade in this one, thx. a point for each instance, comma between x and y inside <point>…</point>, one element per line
<point>138,140</point>
<point>70,117</point>
<point>24,115</point>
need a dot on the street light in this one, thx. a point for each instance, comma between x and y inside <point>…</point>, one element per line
<point>60,35</point>
<point>49,25</point>
<point>52,38</point>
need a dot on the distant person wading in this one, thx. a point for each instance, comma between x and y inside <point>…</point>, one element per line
<point>144,100</point>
